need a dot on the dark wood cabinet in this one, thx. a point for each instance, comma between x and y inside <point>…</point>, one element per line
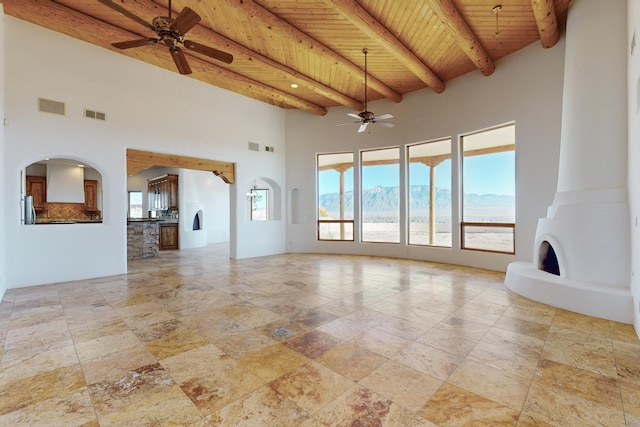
<point>91,196</point>
<point>163,192</point>
<point>168,236</point>
<point>172,190</point>
<point>37,188</point>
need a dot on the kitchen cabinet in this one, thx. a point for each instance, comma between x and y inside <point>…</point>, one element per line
<point>163,192</point>
<point>168,236</point>
<point>91,196</point>
<point>37,188</point>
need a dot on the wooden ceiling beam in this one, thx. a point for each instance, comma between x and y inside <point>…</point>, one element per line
<point>547,22</point>
<point>375,30</point>
<point>289,75</point>
<point>211,73</point>
<point>261,16</point>
<point>210,37</point>
<point>214,74</point>
<point>273,93</point>
<point>446,11</point>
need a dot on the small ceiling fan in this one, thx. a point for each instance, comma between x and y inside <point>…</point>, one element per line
<point>366,116</point>
<point>170,32</point>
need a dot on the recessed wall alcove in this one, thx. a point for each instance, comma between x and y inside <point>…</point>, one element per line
<point>265,188</point>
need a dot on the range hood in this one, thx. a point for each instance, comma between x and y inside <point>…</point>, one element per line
<point>65,183</point>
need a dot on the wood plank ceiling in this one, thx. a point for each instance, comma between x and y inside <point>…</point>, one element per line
<point>317,44</point>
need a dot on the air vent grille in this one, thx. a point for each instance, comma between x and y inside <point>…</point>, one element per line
<point>254,146</point>
<point>50,106</point>
<point>95,114</point>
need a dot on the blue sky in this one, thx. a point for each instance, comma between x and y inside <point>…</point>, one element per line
<point>492,174</point>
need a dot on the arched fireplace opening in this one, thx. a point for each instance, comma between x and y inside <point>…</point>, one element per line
<point>548,261</point>
<point>197,221</point>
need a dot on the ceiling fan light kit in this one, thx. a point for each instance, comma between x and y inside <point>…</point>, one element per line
<point>366,117</point>
<point>170,32</point>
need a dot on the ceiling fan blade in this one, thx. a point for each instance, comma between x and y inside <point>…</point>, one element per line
<point>384,117</point>
<point>362,127</point>
<point>355,116</point>
<point>126,13</point>
<point>386,124</point>
<point>225,57</point>
<point>180,60</point>
<point>185,21</point>
<point>134,43</point>
<point>345,124</point>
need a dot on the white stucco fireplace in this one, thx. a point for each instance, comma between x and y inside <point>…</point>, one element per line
<point>581,253</point>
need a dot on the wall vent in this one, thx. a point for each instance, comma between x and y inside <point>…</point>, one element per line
<point>95,114</point>
<point>50,106</point>
<point>253,146</point>
<point>269,149</point>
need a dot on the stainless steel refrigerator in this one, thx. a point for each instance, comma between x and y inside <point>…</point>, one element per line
<point>29,210</point>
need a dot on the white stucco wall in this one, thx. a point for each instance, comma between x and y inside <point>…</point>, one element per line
<point>633,86</point>
<point>526,88</point>
<point>147,108</point>
<point>3,222</point>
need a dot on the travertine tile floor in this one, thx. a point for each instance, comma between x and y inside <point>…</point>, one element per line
<point>193,338</point>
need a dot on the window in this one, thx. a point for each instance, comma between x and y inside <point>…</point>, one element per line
<point>135,204</point>
<point>259,204</point>
<point>380,197</point>
<point>429,193</point>
<point>488,188</point>
<point>335,196</point>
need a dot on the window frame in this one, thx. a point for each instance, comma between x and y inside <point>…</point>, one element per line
<point>408,189</point>
<point>342,222</point>
<point>129,211</point>
<point>468,224</point>
<point>252,202</point>
<point>362,166</point>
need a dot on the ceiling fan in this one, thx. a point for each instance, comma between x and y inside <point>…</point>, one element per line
<point>366,116</point>
<point>170,32</point>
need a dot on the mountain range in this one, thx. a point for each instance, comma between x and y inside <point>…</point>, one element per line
<point>387,199</point>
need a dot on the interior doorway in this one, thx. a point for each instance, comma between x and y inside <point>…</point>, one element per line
<point>195,188</point>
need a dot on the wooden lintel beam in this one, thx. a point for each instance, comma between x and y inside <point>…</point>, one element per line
<point>446,11</point>
<point>369,25</point>
<point>547,22</point>
<point>138,160</point>
<point>261,16</point>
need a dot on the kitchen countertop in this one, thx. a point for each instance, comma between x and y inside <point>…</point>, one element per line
<point>71,221</point>
<point>159,220</point>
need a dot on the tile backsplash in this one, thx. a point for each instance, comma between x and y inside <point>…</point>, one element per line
<point>64,211</point>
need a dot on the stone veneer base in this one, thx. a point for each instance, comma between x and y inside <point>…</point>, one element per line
<point>142,239</point>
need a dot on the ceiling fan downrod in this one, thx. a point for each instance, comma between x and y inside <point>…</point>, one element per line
<point>365,51</point>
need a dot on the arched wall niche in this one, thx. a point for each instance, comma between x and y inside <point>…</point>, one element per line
<point>264,187</point>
